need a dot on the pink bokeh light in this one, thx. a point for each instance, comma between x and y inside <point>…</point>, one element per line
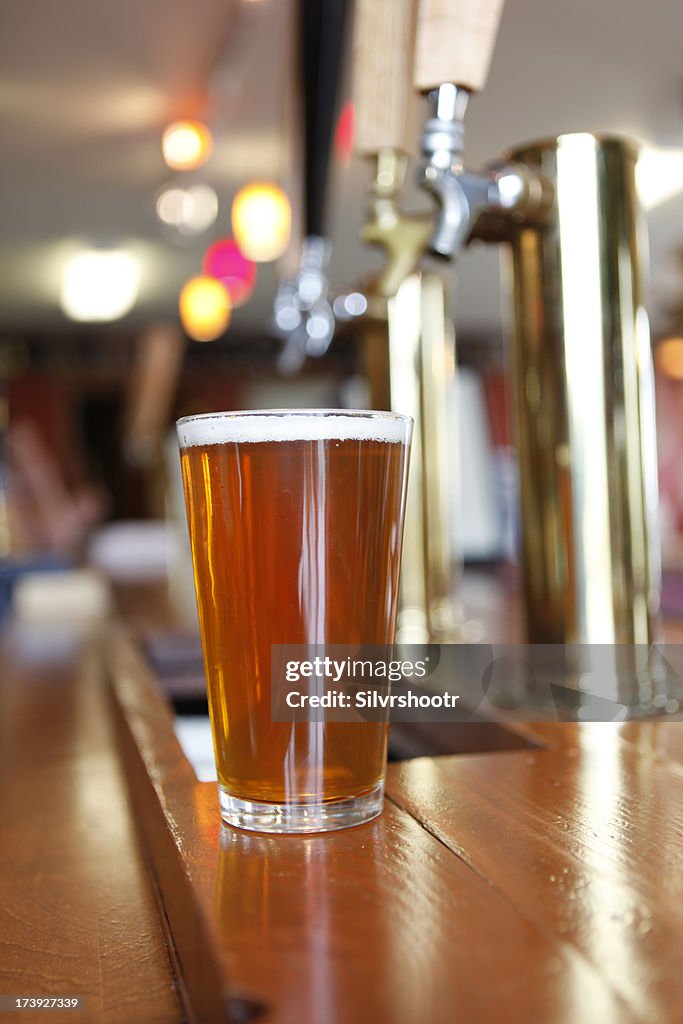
<point>224,261</point>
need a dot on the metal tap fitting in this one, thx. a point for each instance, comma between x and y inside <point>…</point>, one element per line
<point>404,237</point>
<point>511,190</point>
<point>442,170</point>
<point>303,316</point>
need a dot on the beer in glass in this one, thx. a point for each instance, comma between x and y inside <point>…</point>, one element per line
<point>296,521</point>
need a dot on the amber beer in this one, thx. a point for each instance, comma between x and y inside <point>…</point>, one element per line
<point>296,522</point>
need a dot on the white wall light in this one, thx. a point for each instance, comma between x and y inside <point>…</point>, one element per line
<point>191,210</point>
<point>99,285</point>
<point>659,175</point>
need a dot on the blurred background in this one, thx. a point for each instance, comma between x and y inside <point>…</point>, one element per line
<point>127,293</point>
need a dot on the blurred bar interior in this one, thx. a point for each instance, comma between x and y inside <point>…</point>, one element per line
<point>438,207</point>
<point>187,195</point>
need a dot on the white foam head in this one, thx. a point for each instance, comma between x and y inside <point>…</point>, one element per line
<point>293,425</point>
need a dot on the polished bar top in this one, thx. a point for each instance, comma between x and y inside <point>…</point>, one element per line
<point>538,880</point>
<point>78,915</point>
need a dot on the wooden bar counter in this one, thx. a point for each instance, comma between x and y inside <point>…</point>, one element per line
<point>537,880</point>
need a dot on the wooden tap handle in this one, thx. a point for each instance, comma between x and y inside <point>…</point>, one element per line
<point>455,40</point>
<point>383,47</point>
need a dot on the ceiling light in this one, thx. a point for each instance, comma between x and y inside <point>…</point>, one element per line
<point>99,285</point>
<point>261,221</point>
<point>204,308</point>
<point>225,262</point>
<point>186,145</point>
<point>659,175</point>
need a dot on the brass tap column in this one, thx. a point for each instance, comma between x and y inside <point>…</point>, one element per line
<point>582,362</point>
<point>409,344</point>
<point>584,400</point>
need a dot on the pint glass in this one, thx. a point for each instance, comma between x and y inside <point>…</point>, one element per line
<point>296,521</point>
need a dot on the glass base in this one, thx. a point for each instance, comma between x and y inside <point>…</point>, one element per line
<point>301,818</point>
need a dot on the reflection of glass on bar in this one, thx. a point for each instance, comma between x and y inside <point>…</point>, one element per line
<point>296,522</point>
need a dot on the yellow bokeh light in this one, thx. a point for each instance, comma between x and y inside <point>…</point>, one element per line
<point>204,308</point>
<point>669,358</point>
<point>261,221</point>
<point>186,145</point>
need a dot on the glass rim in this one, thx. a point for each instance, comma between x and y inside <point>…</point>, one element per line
<point>380,414</point>
<point>262,425</point>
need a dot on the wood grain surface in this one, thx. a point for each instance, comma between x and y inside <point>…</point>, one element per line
<point>537,881</point>
<point>455,41</point>
<point>585,842</point>
<point>383,47</point>
<point>77,911</point>
<point>539,885</point>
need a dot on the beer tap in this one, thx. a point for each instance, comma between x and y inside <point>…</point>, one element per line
<point>303,314</point>
<point>403,236</point>
<point>567,209</point>
<point>455,40</point>
<point>454,46</point>
<point>408,342</point>
<point>382,97</point>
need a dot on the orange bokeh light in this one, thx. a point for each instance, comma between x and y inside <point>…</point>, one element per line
<point>186,145</point>
<point>669,358</point>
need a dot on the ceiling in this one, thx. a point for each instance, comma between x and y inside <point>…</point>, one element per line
<point>87,88</point>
